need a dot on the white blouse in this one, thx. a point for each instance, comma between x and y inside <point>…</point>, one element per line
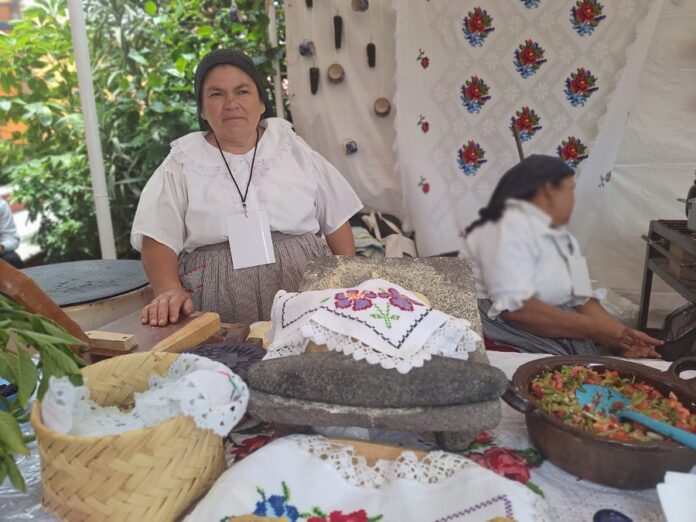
<point>187,200</point>
<point>521,256</point>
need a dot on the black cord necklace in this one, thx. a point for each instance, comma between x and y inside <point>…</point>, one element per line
<point>251,171</point>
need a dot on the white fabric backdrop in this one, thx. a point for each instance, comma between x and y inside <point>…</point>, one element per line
<point>656,159</point>
<point>344,111</point>
<point>435,31</point>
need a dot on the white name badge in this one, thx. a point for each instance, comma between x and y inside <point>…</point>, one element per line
<point>250,239</point>
<point>580,276</point>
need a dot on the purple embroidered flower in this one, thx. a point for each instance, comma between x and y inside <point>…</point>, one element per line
<point>355,299</point>
<point>399,300</point>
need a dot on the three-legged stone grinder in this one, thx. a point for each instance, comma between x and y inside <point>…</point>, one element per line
<point>457,399</point>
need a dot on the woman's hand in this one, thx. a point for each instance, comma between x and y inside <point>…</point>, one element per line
<point>166,307</point>
<point>627,342</point>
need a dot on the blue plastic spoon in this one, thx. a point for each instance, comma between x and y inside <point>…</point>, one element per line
<point>609,401</point>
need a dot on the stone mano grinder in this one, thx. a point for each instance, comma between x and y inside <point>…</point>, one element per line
<point>456,399</point>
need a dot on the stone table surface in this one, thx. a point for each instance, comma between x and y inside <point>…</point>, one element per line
<point>78,282</point>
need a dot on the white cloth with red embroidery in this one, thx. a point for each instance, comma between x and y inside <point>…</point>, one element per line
<point>301,478</point>
<point>377,321</point>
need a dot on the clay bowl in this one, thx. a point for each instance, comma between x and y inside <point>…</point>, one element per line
<point>626,465</point>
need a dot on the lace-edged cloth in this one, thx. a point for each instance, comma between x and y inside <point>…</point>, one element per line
<point>207,391</point>
<point>378,321</point>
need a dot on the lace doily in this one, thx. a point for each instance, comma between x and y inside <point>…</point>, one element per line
<point>434,468</point>
<point>378,322</point>
<point>208,392</point>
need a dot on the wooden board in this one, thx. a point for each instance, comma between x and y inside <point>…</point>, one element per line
<point>198,328</point>
<point>194,332</point>
<point>374,451</point>
<point>112,340</point>
<point>147,337</point>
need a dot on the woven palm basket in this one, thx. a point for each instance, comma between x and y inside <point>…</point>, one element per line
<point>150,474</point>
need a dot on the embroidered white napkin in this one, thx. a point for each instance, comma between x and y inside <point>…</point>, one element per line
<point>203,389</point>
<point>308,479</point>
<point>378,321</point>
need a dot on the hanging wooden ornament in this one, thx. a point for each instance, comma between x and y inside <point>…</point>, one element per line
<point>313,79</point>
<point>307,48</point>
<point>338,31</point>
<point>360,5</point>
<point>350,146</point>
<point>336,73</point>
<point>382,107</point>
<point>371,54</point>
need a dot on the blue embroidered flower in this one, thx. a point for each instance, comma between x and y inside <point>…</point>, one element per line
<point>530,4</point>
<point>276,505</point>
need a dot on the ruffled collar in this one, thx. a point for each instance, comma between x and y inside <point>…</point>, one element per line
<point>274,142</point>
<point>540,218</point>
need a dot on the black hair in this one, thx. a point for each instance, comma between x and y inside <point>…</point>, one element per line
<point>522,182</point>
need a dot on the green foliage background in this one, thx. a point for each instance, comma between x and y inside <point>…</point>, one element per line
<point>143,58</point>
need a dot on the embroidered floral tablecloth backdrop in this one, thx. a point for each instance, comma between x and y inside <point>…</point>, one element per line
<point>467,71</point>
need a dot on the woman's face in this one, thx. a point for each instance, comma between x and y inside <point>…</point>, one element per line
<point>231,104</point>
<point>562,200</point>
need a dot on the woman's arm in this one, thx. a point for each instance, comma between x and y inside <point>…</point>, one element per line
<point>631,343</point>
<point>546,320</point>
<point>162,269</point>
<point>341,242</point>
<point>591,322</point>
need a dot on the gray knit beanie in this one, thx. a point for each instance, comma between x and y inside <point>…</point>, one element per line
<point>228,57</point>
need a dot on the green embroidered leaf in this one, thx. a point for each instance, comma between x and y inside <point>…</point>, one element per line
<point>536,489</point>
<point>286,491</point>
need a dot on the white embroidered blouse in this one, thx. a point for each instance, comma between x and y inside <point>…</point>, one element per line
<point>186,201</point>
<point>521,256</point>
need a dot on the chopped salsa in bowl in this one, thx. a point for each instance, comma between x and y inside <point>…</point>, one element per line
<point>554,392</point>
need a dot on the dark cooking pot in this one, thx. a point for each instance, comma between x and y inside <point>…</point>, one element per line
<point>628,465</point>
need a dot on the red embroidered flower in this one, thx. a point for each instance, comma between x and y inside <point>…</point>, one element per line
<point>356,299</point>
<point>507,463</point>
<point>469,155</point>
<point>399,300</point>
<point>586,13</point>
<point>528,56</point>
<point>485,437</point>
<point>579,83</point>
<point>425,127</point>
<point>250,445</point>
<point>424,185</point>
<point>570,152</point>
<point>475,23</point>
<point>355,516</point>
<point>423,59</point>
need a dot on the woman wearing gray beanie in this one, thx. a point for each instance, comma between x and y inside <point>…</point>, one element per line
<point>531,279</point>
<point>234,212</point>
